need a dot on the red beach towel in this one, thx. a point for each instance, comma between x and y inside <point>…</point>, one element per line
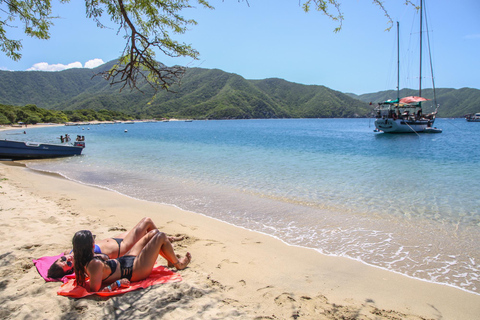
<point>159,274</point>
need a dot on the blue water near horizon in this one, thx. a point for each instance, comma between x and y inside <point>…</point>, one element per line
<point>406,203</point>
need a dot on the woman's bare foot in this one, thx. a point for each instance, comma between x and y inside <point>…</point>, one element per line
<point>170,265</point>
<point>175,238</point>
<point>183,262</point>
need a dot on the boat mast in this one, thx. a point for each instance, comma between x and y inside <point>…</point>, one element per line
<point>431,64</point>
<point>398,63</point>
<point>421,42</point>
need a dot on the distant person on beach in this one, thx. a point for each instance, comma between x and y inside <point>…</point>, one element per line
<point>110,274</point>
<point>112,248</point>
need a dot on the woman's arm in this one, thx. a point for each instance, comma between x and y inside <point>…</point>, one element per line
<point>122,283</point>
<point>102,256</point>
<point>95,272</point>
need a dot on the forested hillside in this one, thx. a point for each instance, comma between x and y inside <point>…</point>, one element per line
<point>203,93</point>
<point>31,114</point>
<point>452,102</point>
<point>207,94</point>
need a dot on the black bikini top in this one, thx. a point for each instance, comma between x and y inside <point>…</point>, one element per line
<point>111,263</point>
<point>113,267</point>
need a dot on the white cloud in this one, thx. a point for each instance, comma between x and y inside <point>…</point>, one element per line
<point>473,36</point>
<point>44,66</point>
<point>93,63</point>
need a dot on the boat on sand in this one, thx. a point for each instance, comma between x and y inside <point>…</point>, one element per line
<point>20,150</point>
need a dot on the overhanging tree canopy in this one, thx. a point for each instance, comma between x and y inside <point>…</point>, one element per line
<point>147,25</point>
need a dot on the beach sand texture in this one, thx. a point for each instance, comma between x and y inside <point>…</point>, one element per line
<point>234,273</point>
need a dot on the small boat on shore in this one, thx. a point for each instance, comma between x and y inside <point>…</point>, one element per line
<point>473,117</point>
<point>20,150</point>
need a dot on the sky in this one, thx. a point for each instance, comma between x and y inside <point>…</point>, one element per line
<point>277,39</point>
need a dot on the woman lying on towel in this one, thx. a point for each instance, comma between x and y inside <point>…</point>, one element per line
<point>112,248</point>
<point>137,264</point>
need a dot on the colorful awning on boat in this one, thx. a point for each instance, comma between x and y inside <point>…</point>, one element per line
<point>412,99</point>
<point>391,101</point>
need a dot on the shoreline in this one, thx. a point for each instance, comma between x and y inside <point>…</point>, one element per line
<point>32,126</point>
<point>60,176</point>
<point>316,250</point>
<point>236,272</point>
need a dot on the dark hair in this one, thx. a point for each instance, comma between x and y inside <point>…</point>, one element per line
<point>56,272</point>
<point>82,253</point>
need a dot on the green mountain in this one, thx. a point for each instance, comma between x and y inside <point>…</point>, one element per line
<point>203,93</point>
<point>206,94</point>
<point>452,102</point>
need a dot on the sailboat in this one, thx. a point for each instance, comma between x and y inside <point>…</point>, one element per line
<point>405,115</point>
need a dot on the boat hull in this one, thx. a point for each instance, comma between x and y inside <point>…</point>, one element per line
<point>433,130</point>
<point>18,150</point>
<point>389,125</point>
<point>471,117</point>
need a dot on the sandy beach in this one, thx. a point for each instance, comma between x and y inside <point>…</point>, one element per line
<point>234,273</point>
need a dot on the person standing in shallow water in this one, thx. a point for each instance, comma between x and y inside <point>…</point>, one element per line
<point>137,264</point>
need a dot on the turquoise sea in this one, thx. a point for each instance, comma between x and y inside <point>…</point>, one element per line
<point>407,203</point>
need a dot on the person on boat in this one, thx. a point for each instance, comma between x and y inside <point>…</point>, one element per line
<point>111,248</point>
<point>137,264</point>
<point>419,114</point>
<point>429,116</point>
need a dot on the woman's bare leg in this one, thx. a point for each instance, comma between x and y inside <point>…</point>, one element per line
<point>147,250</point>
<point>141,229</point>
<point>133,236</point>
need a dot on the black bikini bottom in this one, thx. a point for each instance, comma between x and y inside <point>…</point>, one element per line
<point>119,241</point>
<point>126,266</point>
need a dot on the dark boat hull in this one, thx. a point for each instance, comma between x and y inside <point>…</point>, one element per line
<point>18,150</point>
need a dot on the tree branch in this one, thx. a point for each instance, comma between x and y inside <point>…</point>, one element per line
<point>145,27</point>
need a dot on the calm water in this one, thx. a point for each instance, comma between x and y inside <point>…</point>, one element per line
<point>406,203</point>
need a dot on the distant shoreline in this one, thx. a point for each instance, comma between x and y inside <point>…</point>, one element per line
<point>23,127</point>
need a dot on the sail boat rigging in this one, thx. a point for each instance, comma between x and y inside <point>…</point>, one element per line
<point>406,115</point>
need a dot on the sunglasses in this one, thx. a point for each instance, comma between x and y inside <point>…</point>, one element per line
<point>69,263</point>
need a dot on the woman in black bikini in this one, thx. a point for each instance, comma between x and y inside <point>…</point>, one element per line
<point>111,247</point>
<point>135,265</point>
